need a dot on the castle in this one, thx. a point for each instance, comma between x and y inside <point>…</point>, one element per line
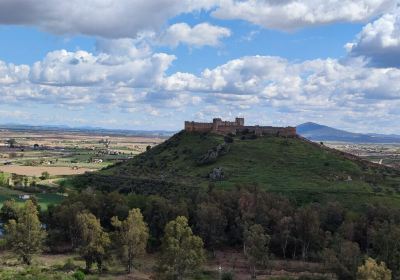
<point>224,127</point>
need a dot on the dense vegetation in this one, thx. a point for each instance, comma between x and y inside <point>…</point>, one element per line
<point>277,199</point>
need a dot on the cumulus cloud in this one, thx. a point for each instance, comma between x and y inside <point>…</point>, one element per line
<point>104,18</point>
<point>379,41</point>
<point>203,34</point>
<point>133,80</point>
<point>290,15</point>
<point>81,68</point>
<point>128,18</point>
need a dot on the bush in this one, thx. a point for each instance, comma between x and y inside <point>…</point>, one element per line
<point>79,275</point>
<point>69,265</point>
<point>228,139</point>
<point>227,276</point>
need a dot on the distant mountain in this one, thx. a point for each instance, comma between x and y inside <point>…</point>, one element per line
<point>317,132</point>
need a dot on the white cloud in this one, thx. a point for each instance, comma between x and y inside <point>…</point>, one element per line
<point>294,14</point>
<point>379,41</point>
<point>104,18</point>
<point>203,34</point>
<point>81,68</point>
<point>135,80</point>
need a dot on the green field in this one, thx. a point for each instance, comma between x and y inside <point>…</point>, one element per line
<point>44,199</point>
<point>294,167</point>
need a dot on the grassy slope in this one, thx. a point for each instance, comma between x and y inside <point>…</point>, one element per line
<point>294,167</point>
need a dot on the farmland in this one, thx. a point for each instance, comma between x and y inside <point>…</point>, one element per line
<point>36,162</point>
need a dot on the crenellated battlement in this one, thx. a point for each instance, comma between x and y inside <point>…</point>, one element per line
<point>224,127</point>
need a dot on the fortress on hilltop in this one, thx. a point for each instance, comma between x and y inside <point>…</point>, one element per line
<point>224,127</point>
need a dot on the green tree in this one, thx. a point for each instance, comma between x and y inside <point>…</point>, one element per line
<point>45,175</point>
<point>284,230</point>
<point>256,250</point>
<point>94,241</point>
<point>25,235</point>
<point>9,211</point>
<point>182,251</point>
<point>11,143</point>
<point>371,270</point>
<point>211,224</point>
<point>307,228</point>
<point>132,237</point>
<point>386,245</point>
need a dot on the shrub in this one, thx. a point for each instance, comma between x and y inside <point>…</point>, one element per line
<point>227,276</point>
<point>228,139</point>
<point>79,275</point>
<point>69,265</point>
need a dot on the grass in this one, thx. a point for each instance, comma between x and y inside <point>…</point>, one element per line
<point>44,199</point>
<point>294,167</point>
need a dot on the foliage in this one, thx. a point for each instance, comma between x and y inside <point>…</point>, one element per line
<point>45,175</point>
<point>25,235</point>
<point>33,273</point>
<point>256,247</point>
<point>93,240</point>
<point>79,275</point>
<point>211,224</point>
<point>131,238</point>
<point>307,228</point>
<point>9,211</point>
<point>227,276</point>
<point>182,252</point>
<point>371,270</point>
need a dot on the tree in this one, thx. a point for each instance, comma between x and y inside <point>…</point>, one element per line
<point>307,228</point>
<point>284,230</point>
<point>182,251</point>
<point>370,270</point>
<point>25,235</point>
<point>11,143</point>
<point>9,211</point>
<point>94,241</point>
<point>343,258</point>
<point>211,224</point>
<point>386,246</point>
<point>45,175</point>
<point>256,247</point>
<point>132,237</point>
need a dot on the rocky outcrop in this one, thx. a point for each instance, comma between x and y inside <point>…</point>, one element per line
<point>217,174</point>
<point>213,154</point>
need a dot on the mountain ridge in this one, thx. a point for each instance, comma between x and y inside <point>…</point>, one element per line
<point>318,132</point>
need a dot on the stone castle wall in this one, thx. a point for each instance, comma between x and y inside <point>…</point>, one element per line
<point>224,127</point>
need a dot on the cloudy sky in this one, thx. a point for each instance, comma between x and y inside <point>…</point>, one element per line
<point>137,64</point>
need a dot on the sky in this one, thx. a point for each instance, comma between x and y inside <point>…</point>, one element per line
<point>134,64</point>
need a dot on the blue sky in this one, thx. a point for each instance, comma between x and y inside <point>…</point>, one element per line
<point>139,65</point>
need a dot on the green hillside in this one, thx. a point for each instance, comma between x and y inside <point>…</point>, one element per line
<point>294,167</point>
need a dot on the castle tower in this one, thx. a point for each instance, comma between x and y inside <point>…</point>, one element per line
<point>216,123</point>
<point>239,121</point>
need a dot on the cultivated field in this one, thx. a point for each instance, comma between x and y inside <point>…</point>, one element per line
<point>387,154</point>
<point>38,170</point>
<point>35,163</point>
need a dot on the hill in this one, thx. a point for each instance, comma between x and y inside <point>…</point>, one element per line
<point>317,132</point>
<point>295,167</point>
